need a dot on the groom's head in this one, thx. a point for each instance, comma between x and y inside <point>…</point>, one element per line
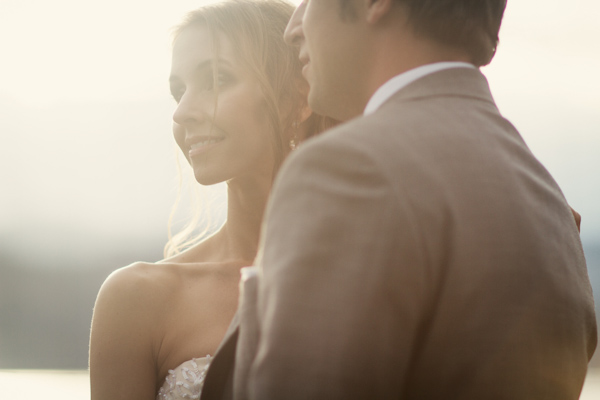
<point>351,47</point>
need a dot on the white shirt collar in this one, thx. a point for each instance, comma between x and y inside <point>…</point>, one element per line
<point>392,86</point>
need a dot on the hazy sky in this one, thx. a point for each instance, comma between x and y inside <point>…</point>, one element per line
<point>85,112</point>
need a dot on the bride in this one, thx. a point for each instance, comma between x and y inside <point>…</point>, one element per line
<point>241,107</point>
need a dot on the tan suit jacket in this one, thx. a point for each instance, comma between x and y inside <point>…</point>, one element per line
<point>421,252</point>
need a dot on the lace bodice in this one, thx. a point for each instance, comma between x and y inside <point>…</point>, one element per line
<point>185,381</point>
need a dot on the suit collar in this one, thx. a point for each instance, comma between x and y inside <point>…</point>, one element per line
<point>454,82</point>
<point>396,83</point>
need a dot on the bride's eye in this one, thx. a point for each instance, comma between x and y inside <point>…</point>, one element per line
<point>221,80</point>
<point>177,93</point>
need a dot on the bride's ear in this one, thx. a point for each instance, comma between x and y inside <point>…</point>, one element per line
<point>304,114</point>
<point>377,9</point>
<point>302,126</point>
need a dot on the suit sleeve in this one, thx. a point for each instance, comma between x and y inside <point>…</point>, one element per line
<point>341,292</point>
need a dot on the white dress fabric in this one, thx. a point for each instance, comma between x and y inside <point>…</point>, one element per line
<point>185,381</point>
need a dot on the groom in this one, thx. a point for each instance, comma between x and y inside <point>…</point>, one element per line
<point>418,251</point>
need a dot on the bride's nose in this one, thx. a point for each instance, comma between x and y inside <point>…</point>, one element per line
<point>189,110</point>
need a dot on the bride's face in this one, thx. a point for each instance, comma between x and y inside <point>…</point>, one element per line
<point>226,136</point>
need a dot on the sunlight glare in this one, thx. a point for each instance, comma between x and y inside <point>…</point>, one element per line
<point>73,50</point>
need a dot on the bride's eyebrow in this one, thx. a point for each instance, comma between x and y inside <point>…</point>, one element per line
<point>201,67</point>
<point>208,64</point>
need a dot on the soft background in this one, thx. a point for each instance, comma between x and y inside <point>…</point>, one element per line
<point>87,163</point>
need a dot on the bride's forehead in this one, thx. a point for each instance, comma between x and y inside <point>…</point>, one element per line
<point>198,42</point>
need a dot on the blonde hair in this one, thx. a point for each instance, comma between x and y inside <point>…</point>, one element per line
<point>255,29</point>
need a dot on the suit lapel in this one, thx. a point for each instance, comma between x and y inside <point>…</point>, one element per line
<point>227,376</point>
<point>219,377</point>
<point>249,333</point>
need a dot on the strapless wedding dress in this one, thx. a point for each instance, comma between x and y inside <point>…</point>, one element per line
<point>185,381</point>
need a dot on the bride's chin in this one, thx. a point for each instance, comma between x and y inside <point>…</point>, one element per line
<point>208,179</point>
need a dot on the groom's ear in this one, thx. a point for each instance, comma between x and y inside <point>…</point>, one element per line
<point>378,9</point>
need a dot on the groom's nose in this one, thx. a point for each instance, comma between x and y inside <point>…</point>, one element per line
<point>293,32</point>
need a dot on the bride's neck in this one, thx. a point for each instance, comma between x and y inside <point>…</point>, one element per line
<point>246,203</point>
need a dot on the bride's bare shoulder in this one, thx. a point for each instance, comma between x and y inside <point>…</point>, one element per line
<point>159,284</point>
<point>128,323</point>
<point>139,287</point>
<point>139,276</point>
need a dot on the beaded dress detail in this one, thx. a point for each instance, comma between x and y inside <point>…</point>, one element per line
<point>185,381</point>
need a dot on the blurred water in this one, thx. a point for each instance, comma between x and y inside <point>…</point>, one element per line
<point>45,384</point>
<point>74,385</point>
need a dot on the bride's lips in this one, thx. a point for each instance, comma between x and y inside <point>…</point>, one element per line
<point>203,144</point>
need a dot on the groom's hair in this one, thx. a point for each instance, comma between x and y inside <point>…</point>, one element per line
<point>470,25</point>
